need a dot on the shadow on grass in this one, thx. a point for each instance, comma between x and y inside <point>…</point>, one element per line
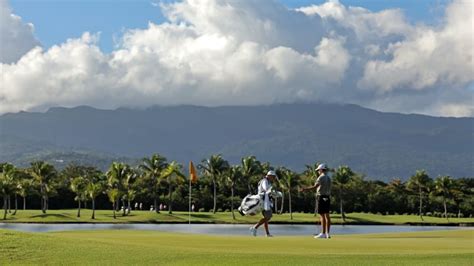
<point>201,215</point>
<point>46,215</point>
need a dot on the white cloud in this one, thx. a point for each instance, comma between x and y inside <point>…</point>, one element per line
<point>428,56</point>
<point>16,37</point>
<point>232,52</point>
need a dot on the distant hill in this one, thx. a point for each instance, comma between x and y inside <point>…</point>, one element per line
<point>381,145</point>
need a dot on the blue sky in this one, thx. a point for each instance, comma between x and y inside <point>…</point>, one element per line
<point>57,20</point>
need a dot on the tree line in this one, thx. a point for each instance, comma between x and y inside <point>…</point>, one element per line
<point>156,181</point>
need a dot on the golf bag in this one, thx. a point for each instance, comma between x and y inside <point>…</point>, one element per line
<point>253,204</point>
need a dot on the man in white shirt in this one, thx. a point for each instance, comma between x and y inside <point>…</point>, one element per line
<point>264,190</point>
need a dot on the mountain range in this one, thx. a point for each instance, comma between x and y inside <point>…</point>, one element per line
<point>379,145</point>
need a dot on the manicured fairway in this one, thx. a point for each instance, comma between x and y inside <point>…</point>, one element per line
<point>144,247</point>
<point>105,216</point>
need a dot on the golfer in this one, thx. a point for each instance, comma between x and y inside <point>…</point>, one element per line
<point>323,194</point>
<point>264,190</point>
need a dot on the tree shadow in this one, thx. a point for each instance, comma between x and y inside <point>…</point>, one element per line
<point>201,215</point>
<point>46,215</point>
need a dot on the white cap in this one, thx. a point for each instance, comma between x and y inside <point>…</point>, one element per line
<point>321,167</point>
<point>271,172</point>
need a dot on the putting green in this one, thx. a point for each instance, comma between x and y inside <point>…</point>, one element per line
<point>117,247</point>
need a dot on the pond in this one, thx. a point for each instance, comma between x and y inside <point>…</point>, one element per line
<point>229,229</point>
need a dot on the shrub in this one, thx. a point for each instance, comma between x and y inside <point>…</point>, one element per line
<point>429,214</point>
<point>219,210</point>
<point>227,210</point>
<point>202,210</point>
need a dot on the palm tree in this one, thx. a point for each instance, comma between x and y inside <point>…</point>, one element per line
<point>24,188</point>
<point>113,194</point>
<point>460,193</point>
<point>214,167</point>
<point>95,186</point>
<point>251,168</point>
<point>287,179</point>
<point>173,175</point>
<point>397,189</point>
<point>44,175</point>
<point>129,193</point>
<point>311,172</point>
<point>116,175</point>
<point>341,177</point>
<point>7,184</point>
<point>152,168</point>
<point>17,177</point>
<point>444,186</point>
<point>79,186</point>
<point>419,183</point>
<point>233,174</point>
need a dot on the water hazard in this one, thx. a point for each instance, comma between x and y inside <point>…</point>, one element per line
<point>228,229</point>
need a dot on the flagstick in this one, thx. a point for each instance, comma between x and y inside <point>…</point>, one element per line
<point>189,208</point>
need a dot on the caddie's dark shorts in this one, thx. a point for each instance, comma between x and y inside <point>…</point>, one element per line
<point>267,214</point>
<point>324,204</point>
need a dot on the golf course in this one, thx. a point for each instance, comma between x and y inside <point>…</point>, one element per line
<point>120,247</point>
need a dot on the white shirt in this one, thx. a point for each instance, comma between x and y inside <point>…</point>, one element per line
<point>264,189</point>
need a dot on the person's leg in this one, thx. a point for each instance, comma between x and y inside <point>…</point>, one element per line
<point>266,227</point>
<point>323,224</point>
<point>328,223</point>
<point>262,221</point>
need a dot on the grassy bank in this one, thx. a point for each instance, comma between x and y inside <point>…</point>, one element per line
<point>105,216</point>
<point>157,248</point>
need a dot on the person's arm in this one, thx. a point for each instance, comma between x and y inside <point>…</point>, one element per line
<point>316,185</point>
<point>310,188</point>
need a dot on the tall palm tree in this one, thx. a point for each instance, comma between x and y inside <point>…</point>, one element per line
<point>152,169</point>
<point>129,193</point>
<point>116,175</point>
<point>79,186</point>
<point>419,183</point>
<point>24,189</point>
<point>7,184</point>
<point>342,176</point>
<point>233,174</point>
<point>443,187</point>
<point>311,172</point>
<point>173,175</point>
<point>95,187</point>
<point>114,195</point>
<point>214,167</point>
<point>44,175</point>
<point>251,168</point>
<point>288,180</point>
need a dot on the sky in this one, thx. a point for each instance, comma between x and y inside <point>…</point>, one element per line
<point>398,55</point>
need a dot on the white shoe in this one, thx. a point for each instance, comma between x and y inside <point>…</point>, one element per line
<point>320,236</point>
<point>269,235</point>
<point>253,231</point>
<point>328,236</point>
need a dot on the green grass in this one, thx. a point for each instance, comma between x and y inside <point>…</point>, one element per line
<point>119,247</point>
<point>105,216</point>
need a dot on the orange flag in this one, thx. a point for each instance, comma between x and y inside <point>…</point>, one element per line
<point>192,172</point>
